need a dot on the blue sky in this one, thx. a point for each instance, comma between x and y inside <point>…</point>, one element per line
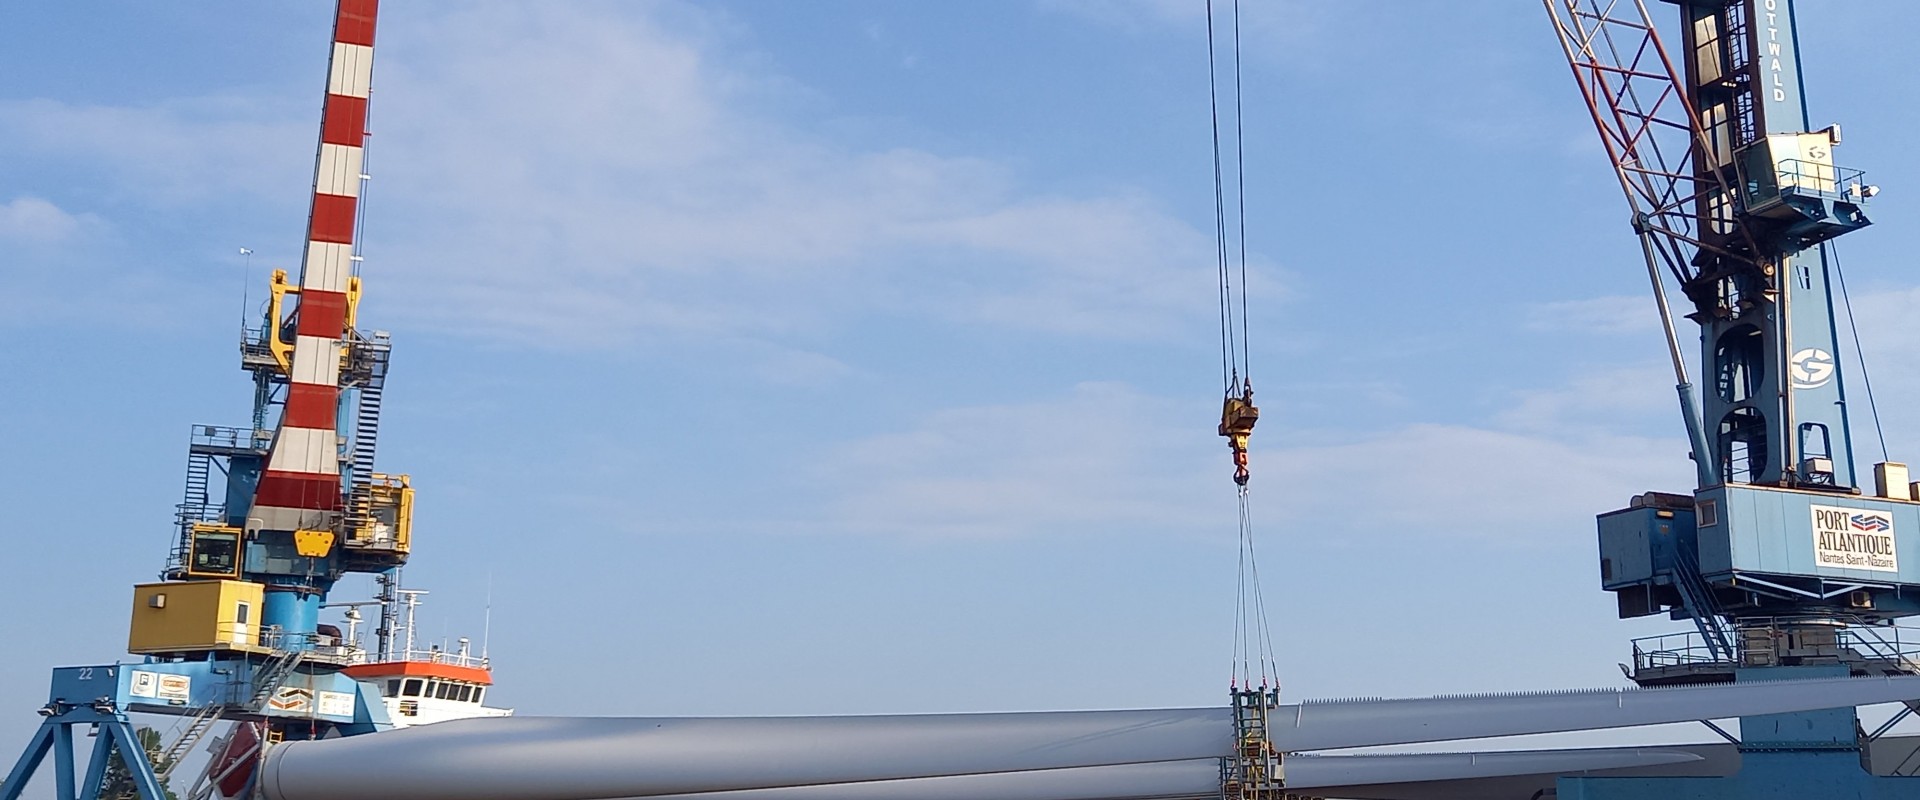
<point>859,357</point>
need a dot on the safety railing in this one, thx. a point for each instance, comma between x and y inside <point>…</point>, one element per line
<point>1885,642</point>
<point>185,517</point>
<point>216,436</point>
<point>1815,176</point>
<point>254,338</point>
<point>1673,650</point>
<point>1765,184</point>
<point>1894,645</point>
<point>317,646</point>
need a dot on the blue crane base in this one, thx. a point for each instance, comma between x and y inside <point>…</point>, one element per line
<point>56,735</point>
<point>1811,754</point>
<point>1763,776</point>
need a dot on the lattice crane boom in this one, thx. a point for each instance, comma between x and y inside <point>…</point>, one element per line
<point>1652,134</point>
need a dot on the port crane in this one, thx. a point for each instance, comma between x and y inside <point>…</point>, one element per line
<point>1787,564</point>
<point>274,515</point>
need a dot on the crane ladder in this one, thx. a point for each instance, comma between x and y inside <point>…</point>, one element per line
<point>371,358</point>
<point>197,727</point>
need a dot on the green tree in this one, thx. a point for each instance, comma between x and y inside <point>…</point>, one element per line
<point>118,784</point>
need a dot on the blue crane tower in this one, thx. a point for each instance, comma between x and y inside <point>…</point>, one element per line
<point>1785,562</point>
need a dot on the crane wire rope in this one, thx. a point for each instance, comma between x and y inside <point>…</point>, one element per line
<point>1859,353</point>
<point>1261,645</point>
<point>1229,349</point>
<point>1253,641</point>
<point>1240,187</point>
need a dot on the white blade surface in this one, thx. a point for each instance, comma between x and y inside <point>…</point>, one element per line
<point>554,758</point>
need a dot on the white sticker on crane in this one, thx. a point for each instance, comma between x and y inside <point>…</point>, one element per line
<point>1853,538</point>
<point>175,687</point>
<point>336,704</point>
<point>1811,368</point>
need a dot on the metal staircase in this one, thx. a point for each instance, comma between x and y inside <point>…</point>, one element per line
<point>368,367</point>
<point>193,507</point>
<point>1698,598</point>
<point>266,680</point>
<point>270,675</point>
<point>199,475</point>
<point>197,727</point>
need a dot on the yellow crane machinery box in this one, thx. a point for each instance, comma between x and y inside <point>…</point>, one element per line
<point>190,616</point>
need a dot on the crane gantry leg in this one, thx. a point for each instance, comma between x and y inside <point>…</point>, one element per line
<point>114,734</point>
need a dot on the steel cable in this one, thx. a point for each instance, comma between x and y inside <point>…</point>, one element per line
<point>1859,353</point>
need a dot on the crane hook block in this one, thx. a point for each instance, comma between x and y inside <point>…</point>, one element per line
<point>1237,417</point>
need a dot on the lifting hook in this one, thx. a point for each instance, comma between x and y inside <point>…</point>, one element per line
<point>1237,417</point>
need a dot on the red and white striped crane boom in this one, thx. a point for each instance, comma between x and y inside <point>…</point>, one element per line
<point>301,486</point>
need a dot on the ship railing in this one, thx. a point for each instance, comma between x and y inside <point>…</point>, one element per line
<point>325,647</point>
<point>336,650</point>
<point>439,656</point>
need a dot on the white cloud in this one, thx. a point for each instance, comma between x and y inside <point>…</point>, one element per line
<point>531,151</point>
<point>177,149</point>
<point>885,41</point>
<point>1265,21</point>
<point>582,174</point>
<point>1611,314</point>
<point>1108,457</point>
<point>1598,398</point>
<point>1468,482</point>
<point>1269,29</point>
<point>1129,14</point>
<point>51,273</point>
<point>35,221</point>
<point>1889,329</point>
<point>790,367</point>
<point>1103,456</point>
<point>1890,338</point>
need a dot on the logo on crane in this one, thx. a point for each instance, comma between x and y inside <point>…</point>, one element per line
<point>1811,368</point>
<point>291,698</point>
<point>1871,522</point>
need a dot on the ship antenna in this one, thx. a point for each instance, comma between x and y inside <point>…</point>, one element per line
<point>245,286</point>
<point>486,626</point>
